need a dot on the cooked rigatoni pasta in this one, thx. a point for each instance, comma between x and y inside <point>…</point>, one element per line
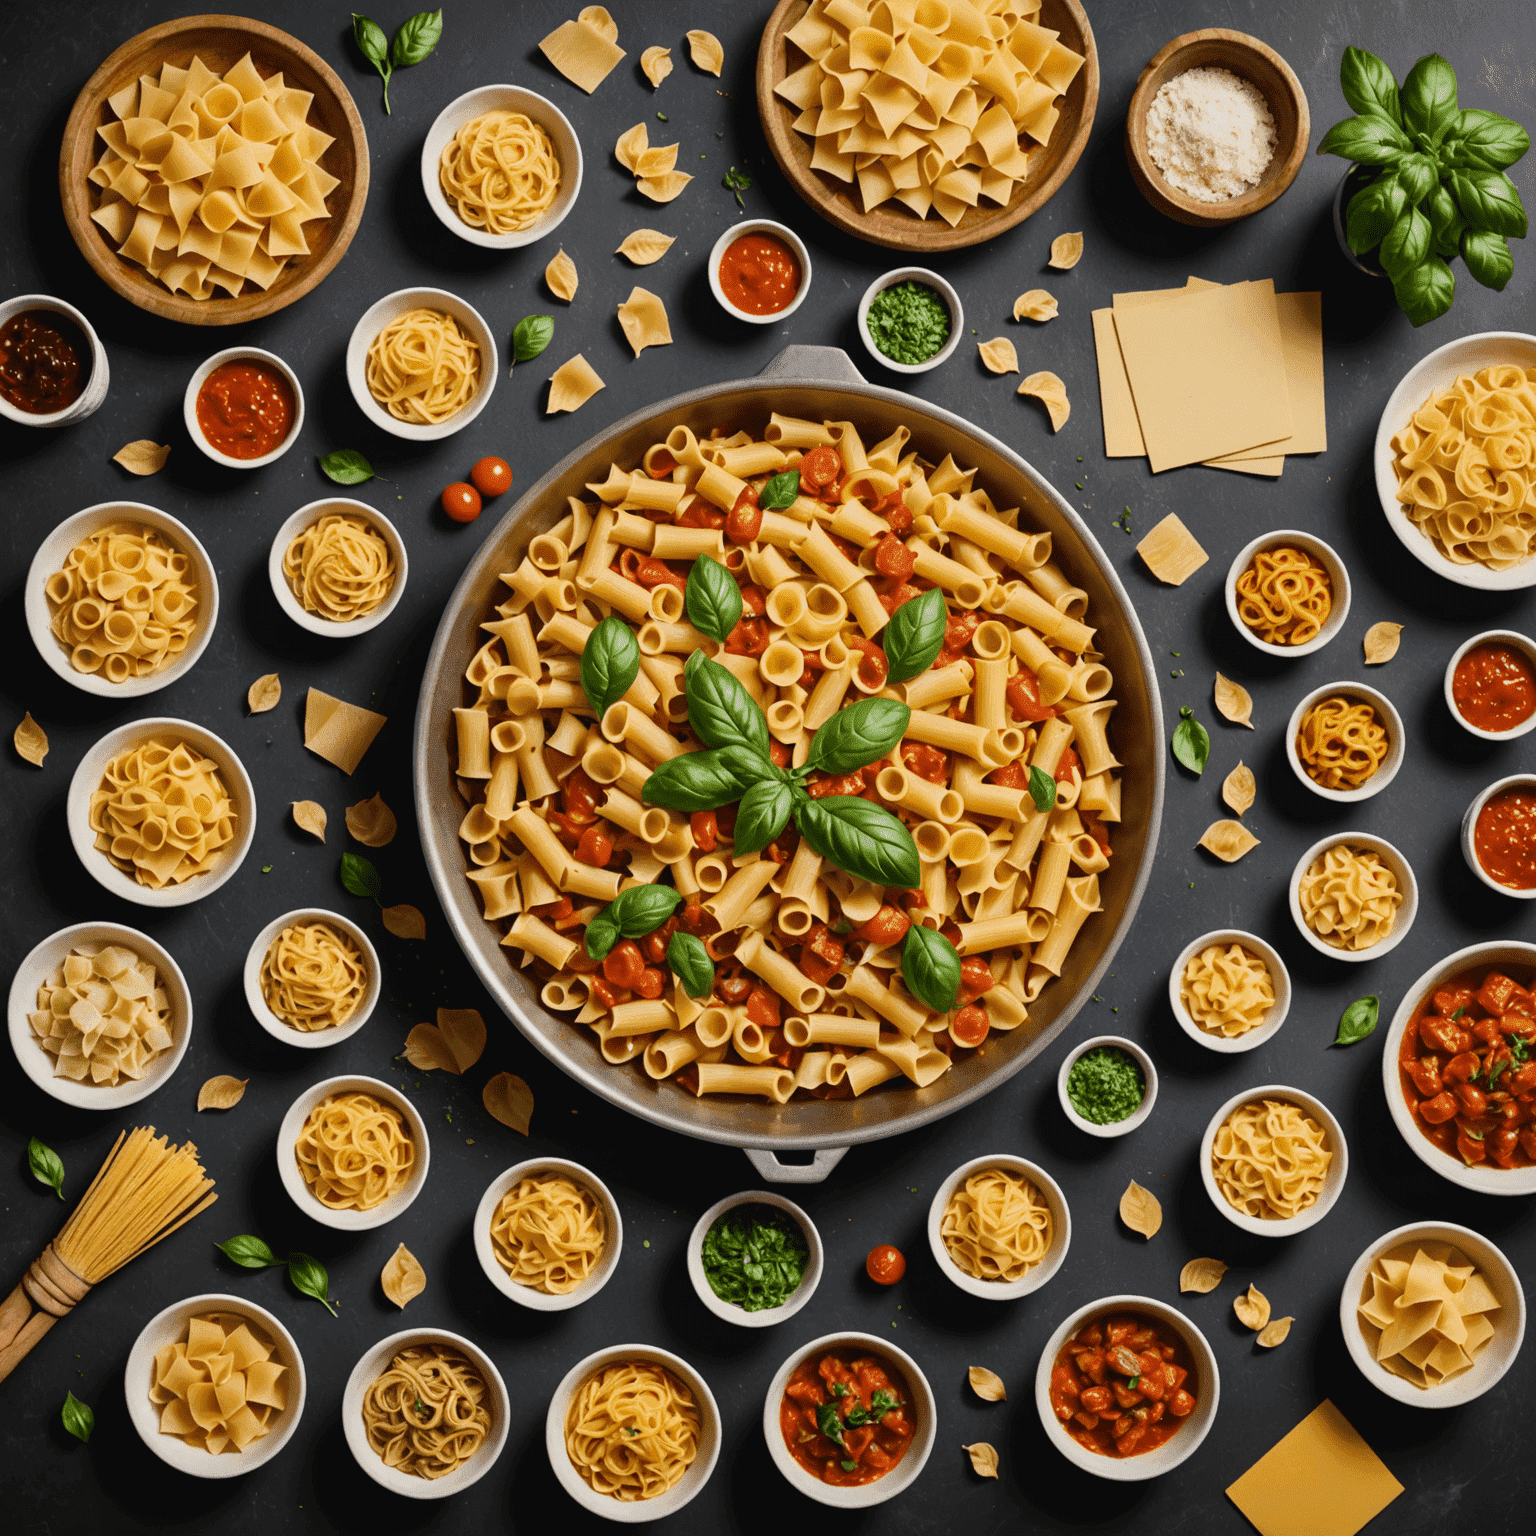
<point>807,997</point>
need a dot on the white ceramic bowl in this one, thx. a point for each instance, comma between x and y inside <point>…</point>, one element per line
<point>240,355</point>
<point>1407,884</point>
<point>307,1039</point>
<point>169,1327</point>
<point>1469,827</point>
<point>293,1179</point>
<point>1149,1084</point>
<point>372,1365</point>
<point>525,1295</point>
<point>1508,1322</point>
<point>310,513</point>
<point>944,290</point>
<point>641,1511</point>
<point>1333,1180</point>
<point>1033,1278</point>
<point>1488,1181</point>
<point>1183,1444</point>
<point>729,1311</point>
<point>95,390</point>
<point>36,1062</point>
<point>1436,371</point>
<point>507,98</point>
<point>760,227</point>
<point>87,778</point>
<point>1249,1039</point>
<point>1516,641</point>
<point>50,557</point>
<point>391,307</point>
<point>1386,712</point>
<point>1326,556</point>
<point>903,1474</point>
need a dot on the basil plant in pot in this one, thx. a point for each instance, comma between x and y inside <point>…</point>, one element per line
<point>1428,183</point>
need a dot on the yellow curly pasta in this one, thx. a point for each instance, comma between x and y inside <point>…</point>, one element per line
<point>423,367</point>
<point>354,1151</point>
<point>549,1234</point>
<point>1349,897</point>
<point>500,172</point>
<point>313,976</point>
<point>1227,990</point>
<point>340,567</point>
<point>1341,742</point>
<point>428,1413</point>
<point>1284,596</point>
<point>1270,1159</point>
<point>632,1431</point>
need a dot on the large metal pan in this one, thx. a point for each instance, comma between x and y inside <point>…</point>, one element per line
<point>820,383</point>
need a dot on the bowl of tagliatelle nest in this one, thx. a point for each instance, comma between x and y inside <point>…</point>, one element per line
<point>1217,128</point>
<point>1345,741</point>
<point>1353,896</point>
<point>312,978</point>
<point>999,1227</point>
<point>338,567</point>
<point>1229,990</point>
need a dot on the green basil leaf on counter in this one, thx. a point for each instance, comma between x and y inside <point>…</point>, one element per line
<point>1191,743</point>
<point>1358,1020</point>
<point>360,877</point>
<point>713,599</point>
<point>310,1279</point>
<point>780,491</point>
<point>720,710</point>
<point>914,636</point>
<point>862,838</point>
<point>610,662</point>
<point>374,46</point>
<point>77,1418</point>
<point>1427,291</point>
<point>1369,86</point>
<point>691,964</point>
<point>763,813</point>
<point>416,38</point>
<point>1488,142</point>
<point>930,967</point>
<point>700,781</point>
<point>248,1252</point>
<point>530,336</point>
<point>1368,140</point>
<point>346,466</point>
<point>1428,99</point>
<point>857,735</point>
<point>632,914</point>
<point>46,1166</point>
<point>1488,258</point>
<point>1042,789</point>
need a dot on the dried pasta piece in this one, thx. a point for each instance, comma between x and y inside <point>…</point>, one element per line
<point>1275,1333</point>
<point>983,1458</point>
<point>643,319</point>
<point>1141,1210</point>
<point>645,246</point>
<point>571,385</point>
<point>583,53</point>
<point>1201,1275</point>
<point>1228,840</point>
<point>510,1100</point>
<point>705,51</point>
<point>601,22</point>
<point>998,355</point>
<point>404,921</point>
<point>1252,1308</point>
<point>143,457</point>
<point>264,694</point>
<point>1381,642</point>
<point>628,148</point>
<point>1234,702</point>
<point>337,731</point>
<point>427,1049</point>
<point>372,823</point>
<point>1052,394</point>
<point>1239,788</point>
<point>561,276</point>
<point>1171,552</point>
<point>656,64</point>
<point>221,1092</point>
<point>464,1030</point>
<point>663,188</point>
<point>1036,304</point>
<point>1066,251</point>
<point>403,1279</point>
<point>31,740</point>
<point>309,816</point>
<point>987,1385</point>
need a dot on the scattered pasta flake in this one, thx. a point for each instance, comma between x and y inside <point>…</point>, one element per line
<point>656,161</point>
<point>428,1050</point>
<point>264,694</point>
<point>597,17</point>
<point>1233,702</point>
<point>561,276</point>
<point>510,1100</point>
<point>1140,1210</point>
<point>998,355</point>
<point>1171,552</point>
<point>337,731</point>
<point>663,188</point>
<point>627,149</point>
<point>1275,1332</point>
<point>583,53</point>
<point>1066,251</point>
<point>1381,642</point>
<point>1052,394</point>
<point>643,319</point>
<point>372,823</point>
<point>1201,1275</point>
<point>1036,304</point>
<point>571,385</point>
<point>464,1030</point>
<point>221,1092</point>
<point>705,51</point>
<point>1252,1308</point>
<point>143,457</point>
<point>656,64</point>
<point>31,740</point>
<point>987,1385</point>
<point>645,246</point>
<point>403,1278</point>
<point>1228,840</point>
<point>1239,788</point>
<point>983,1458</point>
<point>405,922</point>
<point>309,816</point>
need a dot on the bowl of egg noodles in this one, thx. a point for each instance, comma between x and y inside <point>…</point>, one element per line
<point>1353,896</point>
<point>999,1227</point>
<point>1288,593</point>
<point>338,567</point>
<point>312,978</point>
<point>1345,741</point>
<point>1229,990</point>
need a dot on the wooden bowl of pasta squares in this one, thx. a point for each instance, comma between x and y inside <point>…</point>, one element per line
<point>294,187</point>
<point>1229,990</point>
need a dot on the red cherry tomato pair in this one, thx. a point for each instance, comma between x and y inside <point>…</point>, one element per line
<point>490,477</point>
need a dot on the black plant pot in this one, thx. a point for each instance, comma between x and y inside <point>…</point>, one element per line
<point>1353,180</point>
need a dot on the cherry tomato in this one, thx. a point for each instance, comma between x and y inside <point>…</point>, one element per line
<point>885,1264</point>
<point>491,476</point>
<point>461,502</point>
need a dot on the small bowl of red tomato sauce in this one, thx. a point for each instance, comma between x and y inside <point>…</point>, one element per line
<point>1459,1068</point>
<point>244,407</point>
<point>1498,836</point>
<point>1127,1388</point>
<point>760,271</point>
<point>1490,685</point>
<point>850,1420</point>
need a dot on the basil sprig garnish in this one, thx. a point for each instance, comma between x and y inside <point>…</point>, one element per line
<point>690,963</point>
<point>930,966</point>
<point>1191,741</point>
<point>712,598</point>
<point>413,42</point>
<point>859,735</point>
<point>699,781</point>
<point>307,1274</point>
<point>914,636</point>
<point>1358,1020</point>
<point>46,1166</point>
<point>1042,788</point>
<point>780,491</point>
<point>862,838</point>
<point>610,663</point>
<point>632,914</point>
<point>720,710</point>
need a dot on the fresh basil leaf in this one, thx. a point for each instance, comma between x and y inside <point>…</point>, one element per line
<point>46,1166</point>
<point>1427,291</point>
<point>77,1418</point>
<point>881,1403</point>
<point>1369,140</point>
<point>530,336</point>
<point>1489,201</point>
<point>1358,1020</point>
<point>1488,142</point>
<point>416,38</point>
<point>691,964</point>
<point>346,466</point>
<point>1488,258</point>
<point>374,46</point>
<point>780,490</point>
<point>857,735</point>
<point>1191,742</point>
<point>861,838</point>
<point>751,767</point>
<point>1042,788</point>
<point>601,935</point>
<point>1372,212</point>
<point>930,967</point>
<point>632,914</point>
<point>360,877</point>
<point>1368,85</point>
<point>1418,176</point>
<point>310,1279</point>
<point>1439,207</point>
<point>1406,244</point>
<point>763,813</point>
<point>610,662</point>
<point>697,781</point>
<point>830,1423</point>
<point>914,636</point>
<point>1428,100</point>
<point>713,599</point>
<point>248,1252</point>
<point>720,710</point>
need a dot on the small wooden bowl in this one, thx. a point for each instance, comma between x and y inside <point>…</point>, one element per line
<point>892,224</point>
<point>1256,63</point>
<point>220,41</point>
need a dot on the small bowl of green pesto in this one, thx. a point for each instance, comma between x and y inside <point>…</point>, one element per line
<point>1107,1086</point>
<point>755,1258</point>
<point>910,320</point>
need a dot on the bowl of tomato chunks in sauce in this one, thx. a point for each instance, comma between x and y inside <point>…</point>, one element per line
<point>1459,1068</point>
<point>849,1420</point>
<point>1127,1388</point>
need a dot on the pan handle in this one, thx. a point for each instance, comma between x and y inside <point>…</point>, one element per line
<point>765,1159</point>
<point>821,365</point>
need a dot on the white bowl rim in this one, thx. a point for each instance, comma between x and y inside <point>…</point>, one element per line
<point>728,1311</point>
<point>1515,641</point>
<point>945,290</point>
<point>1397,743</point>
<point>1143,1060</point>
<point>18,304</point>
<point>752,227</point>
<point>1469,833</point>
<point>293,525</point>
<point>1338,575</point>
<point>1250,1039</point>
<point>195,384</point>
<point>269,1021</point>
<point>1034,1278</point>
<point>1408,884</point>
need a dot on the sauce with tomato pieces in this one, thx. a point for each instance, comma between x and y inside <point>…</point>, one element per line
<point>1123,1385</point>
<point>847,1417</point>
<point>245,408</point>
<point>759,274</point>
<point>44,361</point>
<point>1467,1065</point>
<point>1494,686</point>
<point>1504,837</point>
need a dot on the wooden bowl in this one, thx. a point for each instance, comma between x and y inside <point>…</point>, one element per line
<point>220,41</point>
<point>892,224</point>
<point>1262,67</point>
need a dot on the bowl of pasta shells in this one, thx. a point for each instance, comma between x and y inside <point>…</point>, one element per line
<point>1345,742</point>
<point>338,567</point>
<point>1229,990</point>
<point>121,599</point>
<point>1288,593</point>
<point>999,1227</point>
<point>352,1152</point>
<point>548,1234</point>
<point>1274,1160</point>
<point>1452,457</point>
<point>161,812</point>
<point>312,978</point>
<point>425,1413</point>
<point>1353,896</point>
<point>632,1433</point>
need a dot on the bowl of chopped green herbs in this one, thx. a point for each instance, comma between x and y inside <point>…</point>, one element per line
<point>754,1258</point>
<point>1107,1086</point>
<point>910,320</point>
